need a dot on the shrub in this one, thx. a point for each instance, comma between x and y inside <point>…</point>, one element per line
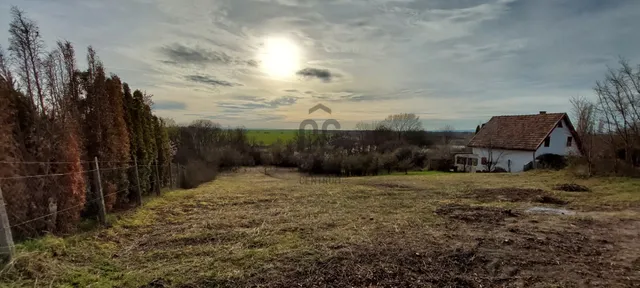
<point>498,169</point>
<point>389,162</point>
<point>405,165</point>
<point>374,164</point>
<point>354,165</point>
<point>420,158</point>
<point>551,161</point>
<point>230,158</point>
<point>333,164</point>
<point>404,153</point>
<point>197,172</point>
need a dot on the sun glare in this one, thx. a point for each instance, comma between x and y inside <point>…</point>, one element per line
<point>280,57</point>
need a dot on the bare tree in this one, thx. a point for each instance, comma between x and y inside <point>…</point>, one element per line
<point>584,113</point>
<point>493,154</point>
<point>403,123</point>
<point>26,46</point>
<point>5,73</point>
<point>619,107</point>
<point>493,157</point>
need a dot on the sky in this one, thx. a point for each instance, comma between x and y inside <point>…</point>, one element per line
<point>265,63</point>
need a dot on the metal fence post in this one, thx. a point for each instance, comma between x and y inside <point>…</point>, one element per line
<point>6,239</point>
<point>102,212</point>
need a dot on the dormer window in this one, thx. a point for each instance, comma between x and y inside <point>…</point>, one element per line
<point>560,124</point>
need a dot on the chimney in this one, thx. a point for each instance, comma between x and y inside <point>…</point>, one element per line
<point>543,112</point>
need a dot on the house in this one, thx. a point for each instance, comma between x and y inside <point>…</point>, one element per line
<point>513,141</point>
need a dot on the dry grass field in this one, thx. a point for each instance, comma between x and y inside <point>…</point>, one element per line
<point>432,230</point>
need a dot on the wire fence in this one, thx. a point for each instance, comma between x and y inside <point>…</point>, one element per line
<point>94,173</point>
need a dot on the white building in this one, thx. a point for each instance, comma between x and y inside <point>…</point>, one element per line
<point>511,142</point>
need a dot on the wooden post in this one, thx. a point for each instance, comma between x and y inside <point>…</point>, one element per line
<point>138,191</point>
<point>157,178</point>
<point>6,240</point>
<point>170,176</point>
<point>102,212</point>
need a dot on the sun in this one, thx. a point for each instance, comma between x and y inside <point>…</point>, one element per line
<point>280,57</point>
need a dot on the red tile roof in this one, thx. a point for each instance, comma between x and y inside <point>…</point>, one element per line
<point>518,132</point>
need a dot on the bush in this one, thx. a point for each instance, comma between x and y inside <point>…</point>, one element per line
<point>404,153</point>
<point>420,158</point>
<point>405,165</point>
<point>333,164</point>
<point>551,161</point>
<point>389,162</point>
<point>197,172</point>
<point>311,162</point>
<point>354,165</point>
<point>498,169</point>
<point>230,158</point>
<point>374,164</point>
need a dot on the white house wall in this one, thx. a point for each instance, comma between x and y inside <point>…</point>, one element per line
<point>518,158</point>
<point>558,142</point>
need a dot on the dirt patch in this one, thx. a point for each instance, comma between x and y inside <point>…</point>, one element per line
<point>553,260</point>
<point>572,188</point>
<point>475,214</point>
<point>515,195</point>
<point>551,200</point>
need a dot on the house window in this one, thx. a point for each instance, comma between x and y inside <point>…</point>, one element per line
<point>461,160</point>
<point>569,141</point>
<point>547,141</point>
<point>560,124</point>
<point>484,161</point>
<point>474,162</point>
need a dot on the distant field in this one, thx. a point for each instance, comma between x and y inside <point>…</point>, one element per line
<point>268,137</point>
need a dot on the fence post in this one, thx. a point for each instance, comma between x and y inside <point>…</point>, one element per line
<point>102,212</point>
<point>157,178</point>
<point>6,240</point>
<point>138,191</point>
<point>170,176</point>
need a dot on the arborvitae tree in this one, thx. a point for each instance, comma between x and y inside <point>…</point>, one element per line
<point>143,138</point>
<point>120,151</point>
<point>60,115</point>
<point>132,122</point>
<point>477,129</point>
<point>105,129</point>
<point>15,194</point>
<point>163,148</point>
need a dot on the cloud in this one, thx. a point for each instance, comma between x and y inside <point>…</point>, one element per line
<point>179,54</point>
<point>362,96</point>
<point>253,102</point>
<point>210,81</point>
<point>291,91</point>
<point>169,105</point>
<point>322,74</point>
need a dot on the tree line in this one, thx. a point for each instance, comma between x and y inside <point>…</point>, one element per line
<point>55,119</point>
<point>609,125</point>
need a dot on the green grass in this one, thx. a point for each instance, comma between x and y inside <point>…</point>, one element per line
<point>250,229</point>
<point>268,137</point>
